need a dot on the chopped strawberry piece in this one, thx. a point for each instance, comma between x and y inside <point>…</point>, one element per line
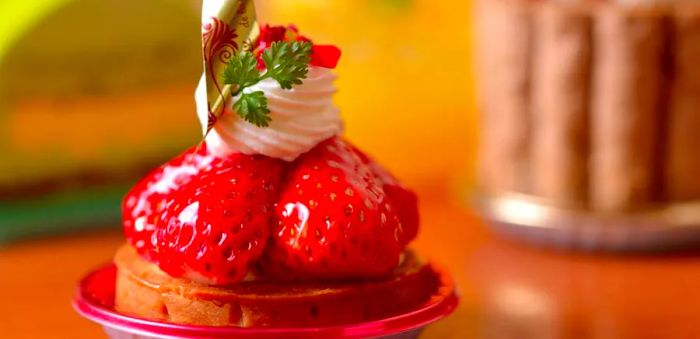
<point>270,34</point>
<point>325,56</point>
<point>321,55</point>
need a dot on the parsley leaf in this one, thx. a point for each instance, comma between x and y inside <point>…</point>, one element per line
<point>242,71</point>
<point>252,107</point>
<point>287,62</point>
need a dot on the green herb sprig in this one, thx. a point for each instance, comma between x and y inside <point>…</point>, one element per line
<point>287,62</point>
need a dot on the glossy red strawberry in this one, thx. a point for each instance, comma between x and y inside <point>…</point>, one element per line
<point>144,203</point>
<point>334,218</point>
<point>214,226</point>
<point>402,199</point>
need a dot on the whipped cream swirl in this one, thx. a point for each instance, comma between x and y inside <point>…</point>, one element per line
<point>301,117</point>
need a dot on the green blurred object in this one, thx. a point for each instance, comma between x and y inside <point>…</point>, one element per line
<point>93,94</point>
<point>65,211</point>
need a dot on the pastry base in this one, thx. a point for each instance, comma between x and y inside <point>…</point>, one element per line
<point>143,290</point>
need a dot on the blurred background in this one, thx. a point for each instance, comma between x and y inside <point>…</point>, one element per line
<point>94,93</point>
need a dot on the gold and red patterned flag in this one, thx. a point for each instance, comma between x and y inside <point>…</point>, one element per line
<point>229,27</point>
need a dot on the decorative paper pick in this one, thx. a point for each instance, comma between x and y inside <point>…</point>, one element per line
<point>228,28</point>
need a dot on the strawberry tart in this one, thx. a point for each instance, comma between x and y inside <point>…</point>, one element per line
<point>274,219</point>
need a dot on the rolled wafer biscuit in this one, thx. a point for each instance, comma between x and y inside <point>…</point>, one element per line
<point>682,172</point>
<point>560,95</point>
<point>628,51</point>
<point>502,68</point>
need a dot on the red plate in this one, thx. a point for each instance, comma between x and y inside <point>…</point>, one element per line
<point>94,299</point>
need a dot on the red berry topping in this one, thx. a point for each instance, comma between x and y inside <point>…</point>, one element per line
<point>270,34</point>
<point>321,55</point>
<point>335,219</point>
<point>325,56</point>
<point>339,215</point>
<point>216,224</point>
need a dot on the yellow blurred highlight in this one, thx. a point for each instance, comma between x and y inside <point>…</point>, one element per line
<point>98,131</point>
<point>24,15</point>
<point>90,124</point>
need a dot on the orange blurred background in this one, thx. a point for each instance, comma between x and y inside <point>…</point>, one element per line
<point>405,84</point>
